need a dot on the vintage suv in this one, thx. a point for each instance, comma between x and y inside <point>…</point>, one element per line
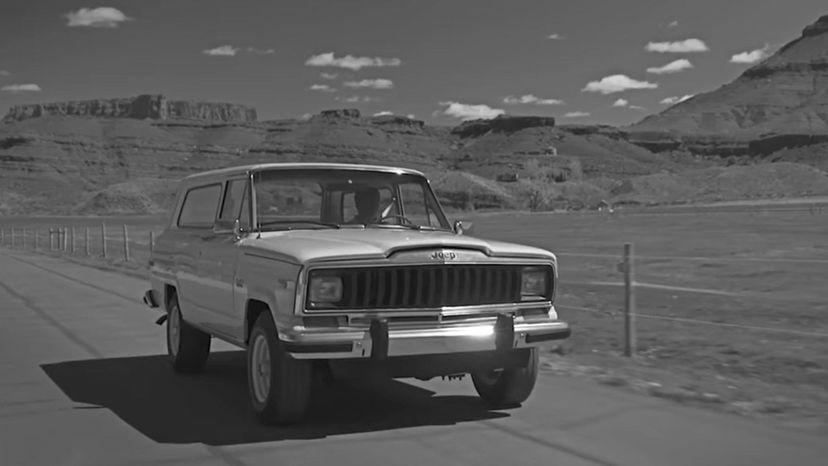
<point>309,266</point>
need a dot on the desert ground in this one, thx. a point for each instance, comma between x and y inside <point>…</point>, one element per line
<point>730,299</point>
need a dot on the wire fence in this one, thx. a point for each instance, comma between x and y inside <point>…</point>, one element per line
<point>116,243</point>
<point>133,244</point>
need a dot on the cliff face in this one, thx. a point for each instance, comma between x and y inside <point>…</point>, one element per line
<point>155,107</point>
<point>785,94</point>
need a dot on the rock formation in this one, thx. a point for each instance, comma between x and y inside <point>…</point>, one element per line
<point>502,124</point>
<point>154,107</point>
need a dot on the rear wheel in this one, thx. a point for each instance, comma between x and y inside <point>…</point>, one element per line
<point>508,387</point>
<point>279,385</point>
<point>187,347</point>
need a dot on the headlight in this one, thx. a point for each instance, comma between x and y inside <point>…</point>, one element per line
<point>325,289</point>
<point>533,282</point>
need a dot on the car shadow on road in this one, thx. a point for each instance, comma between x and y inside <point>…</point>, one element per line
<point>212,407</point>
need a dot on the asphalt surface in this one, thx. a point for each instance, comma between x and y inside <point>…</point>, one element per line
<point>84,380</point>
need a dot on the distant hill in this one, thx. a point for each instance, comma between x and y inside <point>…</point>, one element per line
<point>765,135</point>
<point>780,102</point>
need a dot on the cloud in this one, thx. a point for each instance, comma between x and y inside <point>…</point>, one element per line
<point>410,116</point>
<point>469,111</point>
<point>621,103</point>
<point>351,62</point>
<point>383,113</point>
<point>370,83</point>
<point>357,98</point>
<point>578,114</point>
<point>682,46</point>
<point>222,51</point>
<point>555,36</point>
<point>16,88</point>
<point>676,66</point>
<point>258,51</point>
<point>101,17</point>
<point>321,88</point>
<point>617,83</point>
<point>751,57</point>
<point>231,51</point>
<point>637,107</point>
<point>328,75</point>
<point>4,73</point>
<point>306,116</point>
<point>530,99</point>
<point>675,99</point>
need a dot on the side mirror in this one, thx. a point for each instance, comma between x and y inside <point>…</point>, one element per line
<point>461,228</point>
<point>238,231</point>
<point>223,227</point>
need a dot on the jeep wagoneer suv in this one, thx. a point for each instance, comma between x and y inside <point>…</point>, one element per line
<point>308,265</point>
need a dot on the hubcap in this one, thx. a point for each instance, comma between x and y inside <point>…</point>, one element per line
<point>174,330</point>
<point>260,368</point>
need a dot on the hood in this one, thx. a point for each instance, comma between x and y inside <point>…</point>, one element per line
<point>305,246</point>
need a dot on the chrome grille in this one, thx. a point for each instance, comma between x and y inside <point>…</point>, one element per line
<point>427,286</point>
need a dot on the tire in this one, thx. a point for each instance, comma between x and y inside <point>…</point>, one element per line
<point>187,347</point>
<point>279,385</point>
<point>509,387</point>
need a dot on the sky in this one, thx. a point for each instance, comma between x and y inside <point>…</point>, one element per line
<point>442,61</point>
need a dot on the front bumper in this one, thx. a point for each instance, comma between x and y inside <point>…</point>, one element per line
<point>383,339</point>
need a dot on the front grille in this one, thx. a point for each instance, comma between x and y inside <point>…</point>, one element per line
<point>427,286</point>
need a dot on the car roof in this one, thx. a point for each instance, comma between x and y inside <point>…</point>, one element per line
<point>243,169</point>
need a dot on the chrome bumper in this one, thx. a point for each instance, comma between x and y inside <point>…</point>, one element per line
<point>382,340</point>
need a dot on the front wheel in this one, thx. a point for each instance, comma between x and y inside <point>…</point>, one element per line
<point>508,387</point>
<point>279,385</point>
<point>187,346</point>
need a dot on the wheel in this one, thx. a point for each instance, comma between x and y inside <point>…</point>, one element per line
<point>279,385</point>
<point>187,347</point>
<point>508,387</point>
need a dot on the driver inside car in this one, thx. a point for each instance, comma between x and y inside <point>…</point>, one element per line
<point>367,205</point>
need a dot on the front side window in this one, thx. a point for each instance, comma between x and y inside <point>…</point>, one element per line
<point>199,207</point>
<point>329,198</point>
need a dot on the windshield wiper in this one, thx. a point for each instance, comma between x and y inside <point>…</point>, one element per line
<point>409,226</point>
<point>306,222</point>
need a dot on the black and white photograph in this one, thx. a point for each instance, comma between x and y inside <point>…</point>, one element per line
<point>414,232</point>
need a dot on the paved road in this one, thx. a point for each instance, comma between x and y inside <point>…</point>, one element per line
<point>83,382</point>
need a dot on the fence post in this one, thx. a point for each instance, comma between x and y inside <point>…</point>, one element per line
<point>86,240</point>
<point>12,236</point>
<point>629,302</point>
<point>103,239</point>
<point>72,247</point>
<point>151,241</point>
<point>126,244</point>
<point>65,238</point>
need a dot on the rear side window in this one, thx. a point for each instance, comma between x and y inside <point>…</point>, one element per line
<point>199,207</point>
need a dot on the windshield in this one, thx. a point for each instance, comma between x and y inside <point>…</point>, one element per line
<point>336,198</point>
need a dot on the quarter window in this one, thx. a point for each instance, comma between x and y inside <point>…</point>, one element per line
<point>233,196</point>
<point>199,207</point>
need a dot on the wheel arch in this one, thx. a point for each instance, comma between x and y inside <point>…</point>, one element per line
<point>253,308</point>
